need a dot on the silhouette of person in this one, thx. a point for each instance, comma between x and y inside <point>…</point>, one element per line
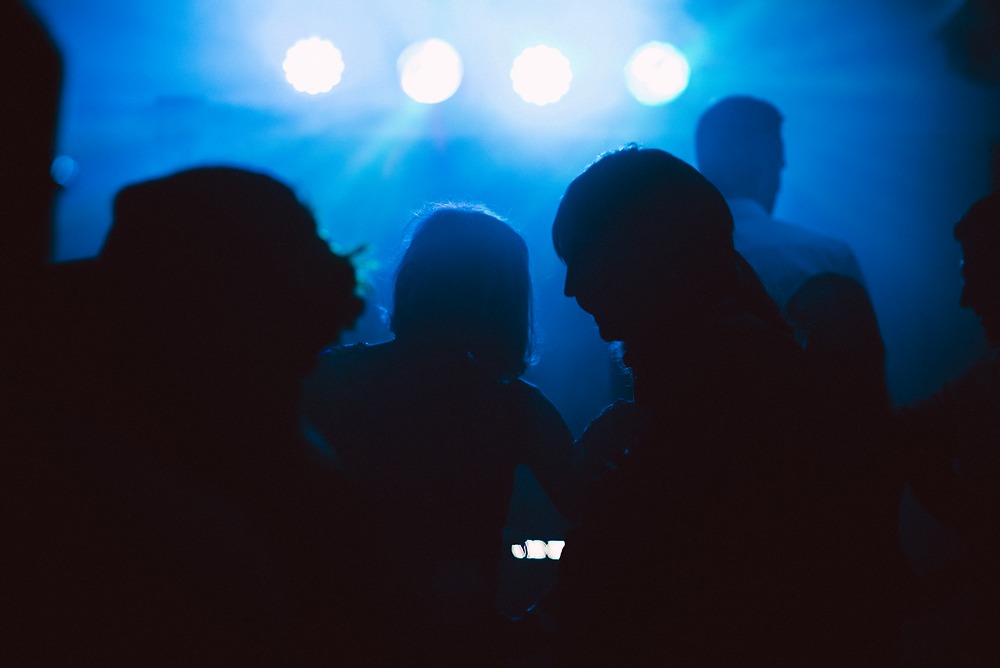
<point>33,80</point>
<point>863,468</point>
<point>212,529</point>
<point>433,423</point>
<point>695,548</point>
<point>222,296</point>
<point>32,74</point>
<point>739,148</point>
<point>953,441</point>
<point>37,504</point>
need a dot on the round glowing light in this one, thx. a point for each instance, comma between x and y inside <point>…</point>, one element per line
<point>657,73</point>
<point>430,71</point>
<point>313,65</point>
<point>541,75</point>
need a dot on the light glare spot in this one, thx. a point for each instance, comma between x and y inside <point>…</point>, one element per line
<point>554,548</point>
<point>657,73</point>
<point>535,548</point>
<point>541,75</point>
<point>538,549</point>
<point>430,71</point>
<point>313,65</point>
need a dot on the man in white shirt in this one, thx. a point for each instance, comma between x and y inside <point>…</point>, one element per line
<point>739,148</point>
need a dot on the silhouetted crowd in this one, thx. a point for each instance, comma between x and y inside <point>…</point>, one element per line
<point>194,473</point>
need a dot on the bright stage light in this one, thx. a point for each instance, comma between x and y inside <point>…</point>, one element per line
<point>430,71</point>
<point>657,73</point>
<point>313,65</point>
<point>541,75</point>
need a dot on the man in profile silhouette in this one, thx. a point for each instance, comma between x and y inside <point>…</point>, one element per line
<point>954,441</point>
<point>739,148</point>
<point>691,550</point>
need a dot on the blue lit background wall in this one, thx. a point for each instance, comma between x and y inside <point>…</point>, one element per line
<point>886,145</point>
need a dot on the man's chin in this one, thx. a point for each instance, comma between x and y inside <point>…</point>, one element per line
<point>608,332</point>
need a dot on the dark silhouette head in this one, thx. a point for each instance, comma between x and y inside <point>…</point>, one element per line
<point>32,81</point>
<point>978,232</point>
<point>647,243</point>
<point>223,269</point>
<point>463,283</point>
<point>738,147</point>
<point>836,321</point>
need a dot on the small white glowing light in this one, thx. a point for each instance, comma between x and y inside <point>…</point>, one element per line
<point>535,549</point>
<point>657,73</point>
<point>430,71</point>
<point>541,75</point>
<point>313,65</point>
<point>538,549</point>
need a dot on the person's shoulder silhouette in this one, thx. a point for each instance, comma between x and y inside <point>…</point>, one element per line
<point>952,438</point>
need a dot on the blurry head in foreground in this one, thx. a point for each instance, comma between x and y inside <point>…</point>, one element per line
<point>224,268</point>
<point>32,80</point>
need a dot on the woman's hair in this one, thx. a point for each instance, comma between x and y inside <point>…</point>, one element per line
<point>463,281</point>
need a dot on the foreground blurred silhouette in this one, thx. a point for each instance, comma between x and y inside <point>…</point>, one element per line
<point>433,423</point>
<point>740,150</point>
<point>698,546</point>
<point>37,503</point>
<point>954,446</point>
<point>32,76</point>
<point>222,296</point>
<point>199,523</point>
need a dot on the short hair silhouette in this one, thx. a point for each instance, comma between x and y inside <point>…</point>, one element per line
<point>464,281</point>
<point>647,195</point>
<point>647,242</point>
<point>738,143</point>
